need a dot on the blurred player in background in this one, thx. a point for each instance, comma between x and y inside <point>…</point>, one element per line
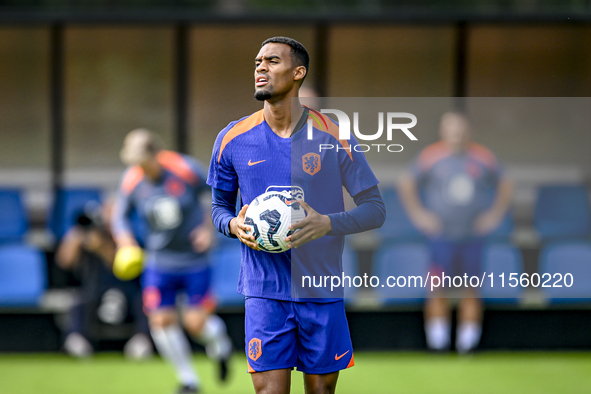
<point>458,178</point>
<point>89,249</point>
<point>254,155</point>
<point>164,189</point>
<point>310,95</point>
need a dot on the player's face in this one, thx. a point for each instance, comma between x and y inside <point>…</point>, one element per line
<point>455,131</point>
<point>274,72</point>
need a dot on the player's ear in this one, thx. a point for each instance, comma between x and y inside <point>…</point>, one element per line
<point>299,73</point>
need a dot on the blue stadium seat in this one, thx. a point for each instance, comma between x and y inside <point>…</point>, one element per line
<point>402,260</point>
<point>397,226</point>
<point>23,275</point>
<point>226,268</point>
<point>13,217</point>
<point>562,212</point>
<point>501,258</point>
<point>561,258</point>
<point>67,205</point>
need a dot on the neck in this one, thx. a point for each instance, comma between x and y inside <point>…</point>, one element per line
<point>153,170</point>
<point>278,114</point>
<point>458,149</point>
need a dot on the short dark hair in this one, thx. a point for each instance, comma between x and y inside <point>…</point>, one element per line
<point>299,53</point>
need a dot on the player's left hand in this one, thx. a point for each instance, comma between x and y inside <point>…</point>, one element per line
<point>487,222</point>
<point>202,238</point>
<point>312,227</point>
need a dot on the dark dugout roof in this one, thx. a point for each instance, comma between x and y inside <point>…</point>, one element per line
<point>293,11</point>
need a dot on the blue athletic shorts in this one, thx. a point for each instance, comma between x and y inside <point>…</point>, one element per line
<point>457,257</point>
<point>160,288</point>
<point>312,337</point>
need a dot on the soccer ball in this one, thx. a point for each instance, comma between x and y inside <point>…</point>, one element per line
<point>270,216</point>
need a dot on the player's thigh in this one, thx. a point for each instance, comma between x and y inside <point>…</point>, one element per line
<point>321,383</point>
<point>324,342</point>
<point>472,254</point>
<point>196,286</point>
<point>443,256</point>
<point>443,264</point>
<point>270,335</point>
<point>277,381</point>
<point>159,296</point>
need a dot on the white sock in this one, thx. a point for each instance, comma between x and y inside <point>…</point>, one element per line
<point>174,347</point>
<point>214,336</point>
<point>438,333</point>
<point>468,336</point>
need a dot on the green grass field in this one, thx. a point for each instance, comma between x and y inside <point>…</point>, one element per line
<point>498,372</point>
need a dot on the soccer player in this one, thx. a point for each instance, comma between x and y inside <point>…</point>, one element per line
<point>459,179</point>
<point>164,188</point>
<point>264,152</point>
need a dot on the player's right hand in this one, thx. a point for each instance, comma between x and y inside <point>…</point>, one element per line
<point>239,229</point>
<point>427,222</point>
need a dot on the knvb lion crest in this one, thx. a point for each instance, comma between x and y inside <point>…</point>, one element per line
<point>311,163</point>
<point>254,349</point>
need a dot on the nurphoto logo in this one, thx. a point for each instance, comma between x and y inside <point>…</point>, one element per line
<point>393,124</point>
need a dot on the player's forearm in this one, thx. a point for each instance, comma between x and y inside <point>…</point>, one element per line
<point>107,249</point>
<point>125,238</point>
<point>122,233</point>
<point>70,249</point>
<point>503,197</point>
<point>120,226</point>
<point>369,214</point>
<point>223,210</point>
<point>409,196</point>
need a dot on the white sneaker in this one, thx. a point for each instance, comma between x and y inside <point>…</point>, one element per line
<point>139,347</point>
<point>78,346</point>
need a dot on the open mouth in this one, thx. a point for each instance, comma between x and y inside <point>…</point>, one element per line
<point>261,81</point>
